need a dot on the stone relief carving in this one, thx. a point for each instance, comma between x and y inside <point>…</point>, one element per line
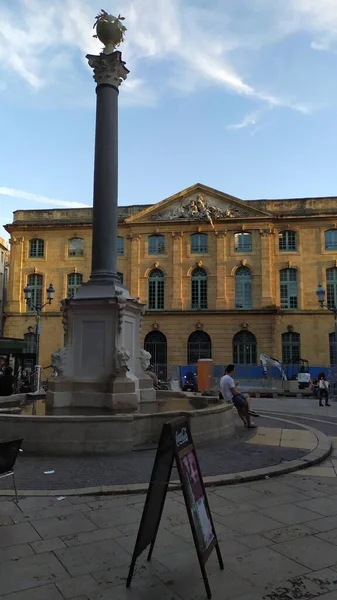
<point>108,68</point>
<point>145,359</point>
<point>122,357</point>
<point>58,361</point>
<point>201,209</point>
<point>121,305</point>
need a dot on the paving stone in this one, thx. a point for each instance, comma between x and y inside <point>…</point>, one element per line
<point>326,579</point>
<point>298,588</point>
<point>30,572</point>
<point>224,534</point>
<point>274,500</point>
<point>322,506</point>
<point>254,541</point>
<point>109,517</point>
<point>76,586</point>
<point>309,551</point>
<point>63,525</point>
<point>239,493</point>
<point>288,533</point>
<point>88,558</point>
<point>14,552</point>
<point>247,523</point>
<point>46,592</point>
<point>17,534</point>
<point>152,592</point>
<point>264,566</point>
<point>323,524</point>
<point>57,510</point>
<point>271,487</point>
<point>166,543</point>
<point>88,537</point>
<point>234,509</point>
<point>289,514</point>
<point>134,500</point>
<point>47,545</point>
<point>329,536</point>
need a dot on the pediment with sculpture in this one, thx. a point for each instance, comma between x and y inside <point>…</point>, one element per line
<point>199,205</point>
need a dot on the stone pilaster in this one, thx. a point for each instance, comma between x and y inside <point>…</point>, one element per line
<point>221,296</point>
<point>134,274</point>
<point>15,298</point>
<point>267,238</point>
<point>177,279</point>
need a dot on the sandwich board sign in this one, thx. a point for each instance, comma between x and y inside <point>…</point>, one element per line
<point>176,445</point>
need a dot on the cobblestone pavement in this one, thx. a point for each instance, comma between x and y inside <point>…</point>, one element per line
<point>278,539</point>
<point>224,456</point>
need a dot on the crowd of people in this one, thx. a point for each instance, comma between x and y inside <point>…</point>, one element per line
<point>10,384</point>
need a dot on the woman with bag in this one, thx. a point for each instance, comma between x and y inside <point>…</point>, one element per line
<point>323,386</point>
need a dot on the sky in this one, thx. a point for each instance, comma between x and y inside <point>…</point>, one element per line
<point>240,95</point>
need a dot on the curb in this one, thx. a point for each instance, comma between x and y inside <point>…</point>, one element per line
<point>322,451</point>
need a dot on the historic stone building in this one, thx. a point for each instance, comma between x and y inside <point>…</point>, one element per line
<point>4,258</point>
<point>220,277</point>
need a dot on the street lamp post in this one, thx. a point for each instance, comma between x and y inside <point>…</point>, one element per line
<point>37,308</point>
<point>320,293</point>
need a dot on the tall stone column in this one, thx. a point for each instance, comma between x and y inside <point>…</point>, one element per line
<point>177,293</point>
<point>221,299</point>
<point>103,364</point>
<point>109,72</point>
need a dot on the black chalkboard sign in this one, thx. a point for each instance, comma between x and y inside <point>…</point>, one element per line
<point>176,444</point>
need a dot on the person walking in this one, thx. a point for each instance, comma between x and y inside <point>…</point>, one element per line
<point>323,386</point>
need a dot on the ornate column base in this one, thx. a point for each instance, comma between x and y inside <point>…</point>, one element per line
<point>101,369</point>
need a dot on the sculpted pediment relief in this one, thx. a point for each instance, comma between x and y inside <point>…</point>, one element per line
<point>198,204</point>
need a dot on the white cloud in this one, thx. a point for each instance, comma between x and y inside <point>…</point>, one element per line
<point>21,195</point>
<point>247,121</point>
<point>193,41</point>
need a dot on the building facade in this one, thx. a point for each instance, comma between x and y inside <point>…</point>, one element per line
<point>4,264</point>
<point>220,277</point>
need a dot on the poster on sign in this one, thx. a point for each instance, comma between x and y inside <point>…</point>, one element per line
<point>176,445</point>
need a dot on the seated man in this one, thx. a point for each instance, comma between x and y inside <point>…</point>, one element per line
<point>231,394</point>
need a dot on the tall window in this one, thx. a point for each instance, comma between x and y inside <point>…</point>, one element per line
<point>199,345</point>
<point>74,282</point>
<point>121,277</point>
<point>199,243</point>
<point>120,246</point>
<point>36,248</point>
<point>156,244</point>
<point>243,288</point>
<point>244,348</point>
<point>199,289</point>
<point>75,247</point>
<point>155,342</point>
<point>243,242</point>
<point>331,287</point>
<point>288,288</point>
<point>332,349</point>
<point>287,241</point>
<point>35,282</point>
<point>156,290</point>
<point>331,239</point>
<point>291,347</point>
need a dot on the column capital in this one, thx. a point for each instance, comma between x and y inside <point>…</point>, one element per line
<point>108,69</point>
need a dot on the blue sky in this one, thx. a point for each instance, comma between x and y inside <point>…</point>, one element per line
<point>240,95</point>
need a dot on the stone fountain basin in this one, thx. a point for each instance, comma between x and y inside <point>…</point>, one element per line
<point>59,434</point>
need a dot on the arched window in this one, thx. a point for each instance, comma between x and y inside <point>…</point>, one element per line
<point>35,282</point>
<point>199,345</point>
<point>332,349</point>
<point>199,288</point>
<point>74,282</point>
<point>75,247</point>
<point>331,287</point>
<point>331,239</point>
<point>121,277</point>
<point>199,243</point>
<point>155,342</point>
<point>288,288</point>
<point>156,244</point>
<point>244,348</point>
<point>36,248</point>
<point>287,241</point>
<point>291,347</point>
<point>243,288</point>
<point>120,246</point>
<point>156,290</point>
<point>243,242</point>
